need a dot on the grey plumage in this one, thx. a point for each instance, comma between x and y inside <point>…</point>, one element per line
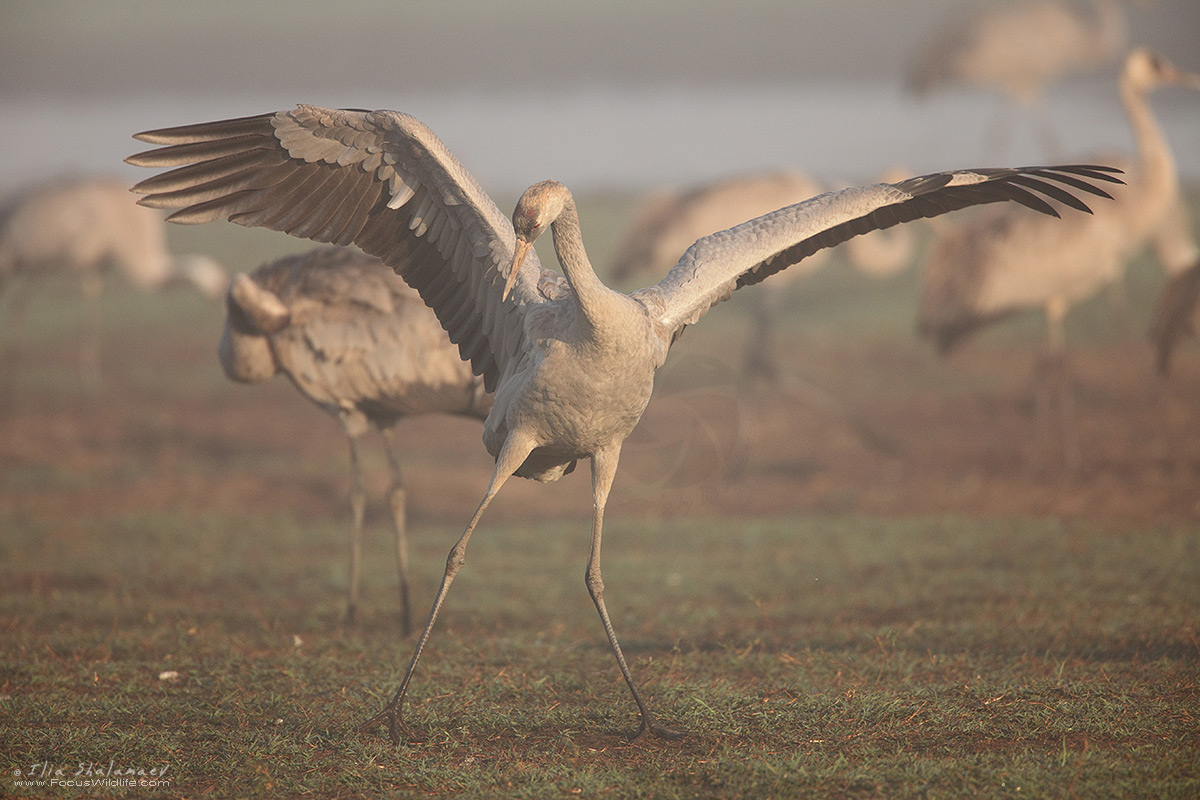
<point>571,361</point>
<point>358,342</point>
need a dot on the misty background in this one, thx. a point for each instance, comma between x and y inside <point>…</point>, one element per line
<point>622,95</point>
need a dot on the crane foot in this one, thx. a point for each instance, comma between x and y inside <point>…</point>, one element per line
<point>661,731</point>
<point>397,731</point>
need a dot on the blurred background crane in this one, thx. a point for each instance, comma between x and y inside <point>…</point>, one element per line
<point>1019,48</point>
<point>83,229</point>
<point>1002,262</point>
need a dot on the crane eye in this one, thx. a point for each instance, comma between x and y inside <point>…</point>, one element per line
<point>528,218</point>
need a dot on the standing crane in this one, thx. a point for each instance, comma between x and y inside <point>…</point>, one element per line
<point>86,227</point>
<point>358,341</point>
<point>1002,262</point>
<point>666,223</point>
<point>571,362</point>
<point>1019,47</point>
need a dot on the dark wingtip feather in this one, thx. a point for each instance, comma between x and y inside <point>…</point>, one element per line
<point>1042,184</point>
<point>1096,171</point>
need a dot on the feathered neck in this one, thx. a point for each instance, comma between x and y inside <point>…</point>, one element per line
<point>595,301</point>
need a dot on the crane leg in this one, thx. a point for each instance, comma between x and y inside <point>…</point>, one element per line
<point>1054,388</point>
<point>89,344</point>
<point>397,501</point>
<point>604,468</point>
<point>358,506</point>
<point>759,362</point>
<point>1072,454</point>
<point>17,302</point>
<point>516,449</point>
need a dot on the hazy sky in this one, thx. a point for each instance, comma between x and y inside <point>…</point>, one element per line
<point>83,47</point>
<point>628,92</point>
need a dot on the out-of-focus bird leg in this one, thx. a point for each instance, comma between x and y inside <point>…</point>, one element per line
<point>1053,387</point>
<point>358,506</point>
<point>92,285</point>
<point>397,501</point>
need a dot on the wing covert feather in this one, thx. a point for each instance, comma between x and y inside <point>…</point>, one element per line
<point>379,179</point>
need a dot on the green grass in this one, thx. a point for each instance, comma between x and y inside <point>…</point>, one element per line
<point>826,656</point>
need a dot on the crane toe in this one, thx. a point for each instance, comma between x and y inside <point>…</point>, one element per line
<point>398,732</point>
<point>661,731</point>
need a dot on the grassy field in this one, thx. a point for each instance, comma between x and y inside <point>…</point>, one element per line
<point>811,656</point>
<point>833,624</point>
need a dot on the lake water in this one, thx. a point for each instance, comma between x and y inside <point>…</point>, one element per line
<point>597,138</point>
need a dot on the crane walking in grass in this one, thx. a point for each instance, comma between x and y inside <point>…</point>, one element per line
<point>571,362</point>
<point>358,341</point>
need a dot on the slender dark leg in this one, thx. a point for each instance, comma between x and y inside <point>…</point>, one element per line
<point>1043,423</point>
<point>604,467</point>
<point>760,363</point>
<point>1054,387</point>
<point>397,501</point>
<point>17,302</point>
<point>516,449</point>
<point>358,505</point>
<point>89,340</point>
<point>1072,451</point>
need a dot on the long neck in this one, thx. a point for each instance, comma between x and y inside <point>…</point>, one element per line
<point>1111,28</point>
<point>593,298</point>
<point>1156,162</point>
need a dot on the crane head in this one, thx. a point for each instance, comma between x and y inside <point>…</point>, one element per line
<point>1146,69</point>
<point>536,211</point>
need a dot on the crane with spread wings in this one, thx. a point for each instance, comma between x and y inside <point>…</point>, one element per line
<point>571,362</point>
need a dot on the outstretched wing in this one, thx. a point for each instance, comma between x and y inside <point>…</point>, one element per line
<point>378,179</point>
<point>715,266</point>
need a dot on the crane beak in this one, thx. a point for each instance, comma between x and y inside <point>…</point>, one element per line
<point>1181,77</point>
<point>515,268</point>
